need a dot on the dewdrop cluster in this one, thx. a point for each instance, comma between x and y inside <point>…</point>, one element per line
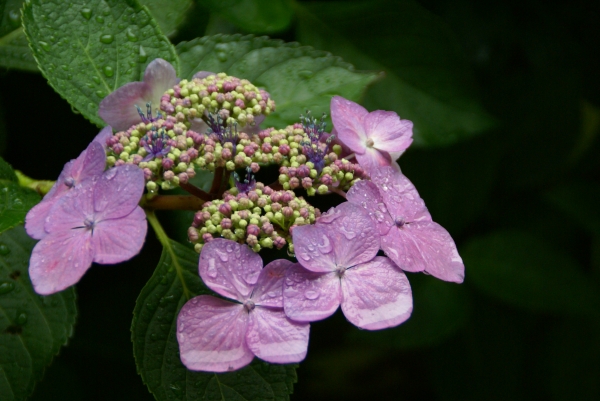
<point>165,149</point>
<point>235,100</point>
<point>261,218</point>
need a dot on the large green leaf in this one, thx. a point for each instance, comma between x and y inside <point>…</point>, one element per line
<point>440,310</point>
<point>297,77</point>
<point>168,13</point>
<point>157,353</point>
<point>522,270</point>
<point>254,16</point>
<point>427,77</point>
<point>15,200</point>
<point>87,49</point>
<point>14,49</point>
<point>32,327</point>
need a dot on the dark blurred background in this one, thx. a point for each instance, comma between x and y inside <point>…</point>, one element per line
<point>506,101</point>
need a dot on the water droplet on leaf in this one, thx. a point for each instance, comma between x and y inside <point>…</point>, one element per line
<point>21,319</point>
<point>86,13</point>
<point>107,39</point>
<point>4,250</point>
<point>44,45</point>
<point>222,57</point>
<point>100,20</point>
<point>108,71</point>
<point>143,55</point>
<point>132,37</point>
<point>6,287</point>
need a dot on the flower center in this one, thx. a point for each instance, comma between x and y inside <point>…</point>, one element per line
<point>370,143</point>
<point>399,222</point>
<point>89,224</point>
<point>249,305</point>
<point>341,270</point>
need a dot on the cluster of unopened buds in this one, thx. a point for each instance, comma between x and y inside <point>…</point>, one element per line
<point>211,122</point>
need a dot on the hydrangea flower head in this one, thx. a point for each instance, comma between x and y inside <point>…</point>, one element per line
<point>98,221</point>
<point>90,163</point>
<point>120,108</point>
<point>377,138</point>
<point>339,266</point>
<point>408,235</point>
<point>217,335</point>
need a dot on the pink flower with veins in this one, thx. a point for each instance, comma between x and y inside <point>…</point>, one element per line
<point>408,235</point>
<point>378,138</point>
<point>98,221</point>
<point>339,267</point>
<point>119,110</point>
<point>90,163</point>
<point>215,335</point>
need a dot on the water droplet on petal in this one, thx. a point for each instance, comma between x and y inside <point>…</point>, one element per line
<point>289,282</point>
<point>251,278</point>
<point>212,270</point>
<point>223,256</point>
<point>304,255</point>
<point>311,295</point>
<point>229,248</point>
<point>271,294</point>
<point>349,234</point>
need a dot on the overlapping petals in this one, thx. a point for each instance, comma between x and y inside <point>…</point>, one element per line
<point>408,234</point>
<point>118,109</point>
<point>340,267</point>
<point>98,221</point>
<point>217,335</point>
<point>90,163</point>
<point>374,137</point>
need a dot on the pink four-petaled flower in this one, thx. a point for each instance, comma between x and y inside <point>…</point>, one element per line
<point>217,335</point>
<point>97,221</point>
<point>378,138</point>
<point>408,235</point>
<point>340,267</point>
<point>90,163</point>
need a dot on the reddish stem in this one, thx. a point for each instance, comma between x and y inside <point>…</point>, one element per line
<point>173,202</point>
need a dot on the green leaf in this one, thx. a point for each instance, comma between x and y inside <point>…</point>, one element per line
<point>156,349</point>
<point>297,77</point>
<point>168,13</point>
<point>254,16</point>
<point>6,172</point>
<point>427,79</point>
<point>90,48</point>
<point>32,327</point>
<point>580,202</point>
<point>15,200</point>
<point>520,269</point>
<point>440,310</point>
<point>14,49</point>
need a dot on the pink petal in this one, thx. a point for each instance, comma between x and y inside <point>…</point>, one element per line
<point>388,131</point>
<point>313,245</point>
<point>118,240</point>
<point>36,218</point>
<point>353,236</point>
<point>309,296</point>
<point>274,338</point>
<point>93,163</point>
<point>366,194</point>
<point>424,246</point>
<point>400,195</point>
<point>373,159</point>
<point>203,74</point>
<point>59,260</point>
<point>230,269</point>
<point>118,108</point>
<point>376,295</point>
<point>71,210</point>
<point>160,76</point>
<point>212,335</point>
<point>103,135</point>
<point>268,290</point>
<point>347,118</point>
<point>118,192</point>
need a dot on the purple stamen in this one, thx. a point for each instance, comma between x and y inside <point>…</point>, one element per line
<point>225,134</point>
<point>315,150</point>
<point>147,118</point>
<point>248,184</point>
<point>155,144</point>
